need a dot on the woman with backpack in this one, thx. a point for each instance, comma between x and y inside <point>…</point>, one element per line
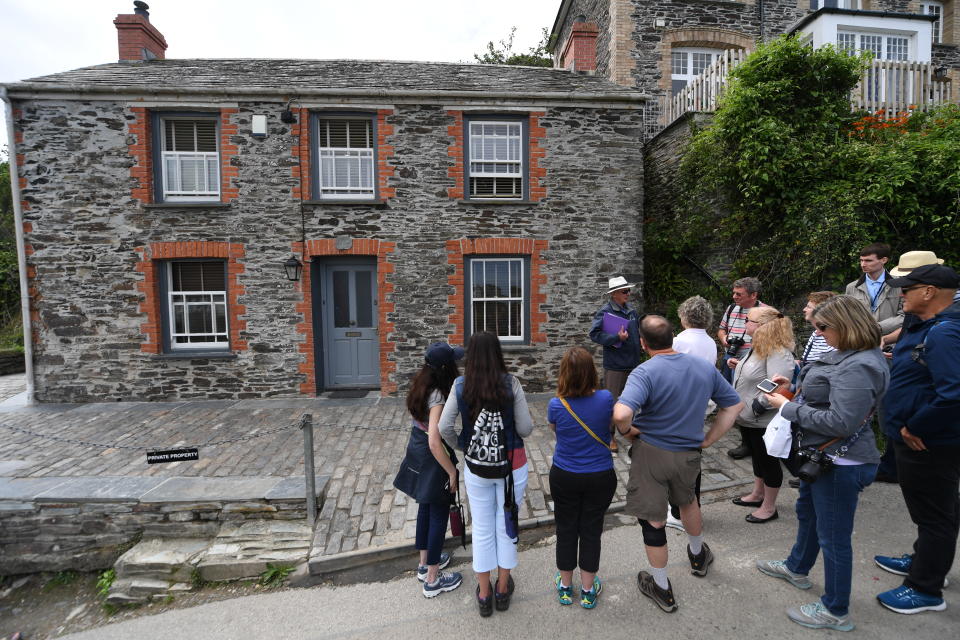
<point>495,418</point>
<point>582,479</point>
<point>428,473</point>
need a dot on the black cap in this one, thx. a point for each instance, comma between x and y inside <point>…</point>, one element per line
<point>440,353</point>
<point>933,274</point>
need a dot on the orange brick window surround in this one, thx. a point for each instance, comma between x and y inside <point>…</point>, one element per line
<point>536,174</point>
<point>380,249</point>
<point>459,250</point>
<point>149,265</point>
<point>141,150</point>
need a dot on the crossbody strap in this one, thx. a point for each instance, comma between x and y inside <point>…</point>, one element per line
<point>566,406</point>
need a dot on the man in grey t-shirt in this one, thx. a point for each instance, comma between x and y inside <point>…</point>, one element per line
<point>670,391</point>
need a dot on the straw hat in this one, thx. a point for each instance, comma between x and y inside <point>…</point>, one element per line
<point>617,283</point>
<point>913,259</point>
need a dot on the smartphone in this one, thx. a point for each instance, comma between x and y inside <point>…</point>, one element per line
<point>767,386</point>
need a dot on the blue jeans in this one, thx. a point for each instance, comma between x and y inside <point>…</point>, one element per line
<point>825,511</point>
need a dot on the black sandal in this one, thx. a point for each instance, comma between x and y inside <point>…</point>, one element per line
<point>503,599</point>
<point>485,604</point>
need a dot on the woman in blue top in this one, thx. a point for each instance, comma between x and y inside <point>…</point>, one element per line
<point>582,479</point>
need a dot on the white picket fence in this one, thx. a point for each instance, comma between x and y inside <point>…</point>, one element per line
<point>891,85</point>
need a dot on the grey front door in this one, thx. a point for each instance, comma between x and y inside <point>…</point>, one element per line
<point>349,309</point>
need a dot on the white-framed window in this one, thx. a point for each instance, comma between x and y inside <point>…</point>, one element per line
<point>189,159</point>
<point>195,305</point>
<point>686,63</point>
<point>345,157</point>
<point>498,296</point>
<point>934,9</point>
<point>497,159</point>
<point>883,46</point>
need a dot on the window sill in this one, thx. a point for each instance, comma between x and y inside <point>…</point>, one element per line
<point>484,203</point>
<point>327,203</point>
<point>517,348</point>
<point>198,355</point>
<point>187,205</point>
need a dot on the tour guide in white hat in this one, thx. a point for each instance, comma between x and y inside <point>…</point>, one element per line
<point>621,349</point>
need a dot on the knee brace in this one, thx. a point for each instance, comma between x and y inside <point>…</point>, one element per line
<point>653,537</point>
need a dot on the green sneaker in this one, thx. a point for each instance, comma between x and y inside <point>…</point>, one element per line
<point>564,594</point>
<point>588,599</point>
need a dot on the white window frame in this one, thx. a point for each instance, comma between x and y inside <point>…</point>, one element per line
<point>180,299</point>
<point>355,159</point>
<point>522,335</point>
<point>688,53</point>
<point>476,165</point>
<point>934,9</point>
<point>172,164</point>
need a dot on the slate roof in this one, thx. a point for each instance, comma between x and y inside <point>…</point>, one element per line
<point>327,76</point>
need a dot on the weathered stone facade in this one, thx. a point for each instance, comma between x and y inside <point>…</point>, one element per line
<point>95,236</point>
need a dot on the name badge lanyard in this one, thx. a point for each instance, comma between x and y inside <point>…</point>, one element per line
<point>876,296</point>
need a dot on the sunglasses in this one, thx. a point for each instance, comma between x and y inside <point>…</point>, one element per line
<point>916,286</point>
<point>821,326</point>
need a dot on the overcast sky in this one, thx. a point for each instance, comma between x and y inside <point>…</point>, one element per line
<point>38,37</point>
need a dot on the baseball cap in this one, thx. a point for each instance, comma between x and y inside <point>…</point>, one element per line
<point>936,275</point>
<point>440,353</point>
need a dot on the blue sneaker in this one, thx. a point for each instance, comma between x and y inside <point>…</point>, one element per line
<point>588,599</point>
<point>445,582</point>
<point>564,594</point>
<point>905,599</point>
<point>422,569</point>
<point>900,566</point>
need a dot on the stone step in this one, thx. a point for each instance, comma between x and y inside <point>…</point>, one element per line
<point>134,590</point>
<point>164,559</point>
<point>242,550</point>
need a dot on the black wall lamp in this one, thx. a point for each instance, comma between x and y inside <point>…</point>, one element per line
<point>287,116</point>
<point>293,267</point>
<point>940,73</point>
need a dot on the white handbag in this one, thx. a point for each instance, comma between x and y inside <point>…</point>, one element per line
<point>777,437</point>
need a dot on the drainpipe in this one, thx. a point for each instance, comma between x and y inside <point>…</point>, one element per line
<point>21,252</point>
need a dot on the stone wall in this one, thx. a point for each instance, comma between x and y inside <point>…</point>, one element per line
<point>87,536</point>
<point>88,233</point>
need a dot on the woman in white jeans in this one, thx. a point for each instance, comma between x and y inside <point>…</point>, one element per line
<point>487,385</point>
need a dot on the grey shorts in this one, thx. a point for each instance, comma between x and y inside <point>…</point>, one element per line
<point>657,477</point>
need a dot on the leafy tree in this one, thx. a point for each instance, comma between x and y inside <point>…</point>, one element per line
<point>9,277</point>
<point>537,56</point>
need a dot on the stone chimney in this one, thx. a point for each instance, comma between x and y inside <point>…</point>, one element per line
<point>580,52</point>
<point>138,39</point>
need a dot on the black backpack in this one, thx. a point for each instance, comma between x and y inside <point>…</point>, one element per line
<point>486,453</point>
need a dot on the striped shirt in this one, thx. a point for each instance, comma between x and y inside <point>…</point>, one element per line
<point>734,322</point>
<point>816,348</point>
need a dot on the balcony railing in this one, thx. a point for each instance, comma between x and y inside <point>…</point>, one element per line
<point>892,85</point>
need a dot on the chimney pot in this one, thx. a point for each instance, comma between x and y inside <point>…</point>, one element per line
<point>141,9</point>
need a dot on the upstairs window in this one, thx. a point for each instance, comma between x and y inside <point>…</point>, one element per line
<point>497,158</point>
<point>195,314</point>
<point>189,159</point>
<point>345,157</point>
<point>934,9</point>
<point>686,63</point>
<point>834,4</point>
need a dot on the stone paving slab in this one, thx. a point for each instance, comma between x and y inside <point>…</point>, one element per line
<point>216,489</point>
<point>27,488</point>
<point>101,489</point>
<point>8,467</point>
<point>295,488</point>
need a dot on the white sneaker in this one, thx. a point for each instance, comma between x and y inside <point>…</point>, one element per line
<point>674,523</point>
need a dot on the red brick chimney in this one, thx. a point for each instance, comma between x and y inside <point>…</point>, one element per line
<point>580,52</point>
<point>138,39</point>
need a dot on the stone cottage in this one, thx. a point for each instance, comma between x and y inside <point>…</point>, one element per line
<point>228,229</point>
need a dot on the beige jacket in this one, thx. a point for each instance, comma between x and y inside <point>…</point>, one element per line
<point>749,372</point>
<point>889,311</point>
